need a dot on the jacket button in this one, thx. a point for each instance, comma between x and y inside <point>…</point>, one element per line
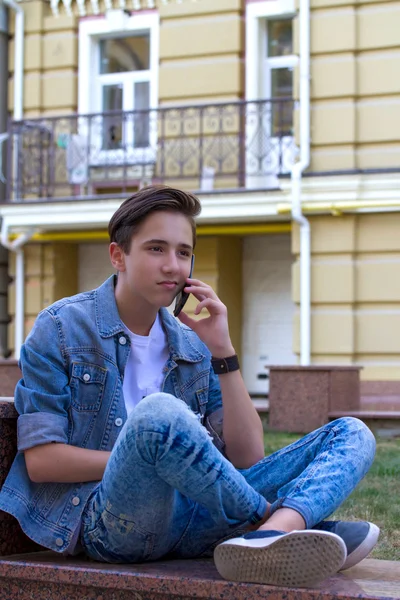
<point>118,422</point>
<point>76,501</point>
<point>59,542</point>
<point>122,340</point>
<point>86,377</point>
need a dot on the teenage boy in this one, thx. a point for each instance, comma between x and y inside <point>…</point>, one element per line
<point>138,440</point>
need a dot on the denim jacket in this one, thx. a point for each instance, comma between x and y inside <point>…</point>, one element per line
<point>73,364</point>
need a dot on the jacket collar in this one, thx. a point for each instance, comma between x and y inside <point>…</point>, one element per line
<point>180,346</point>
<point>107,316</point>
<point>109,324</point>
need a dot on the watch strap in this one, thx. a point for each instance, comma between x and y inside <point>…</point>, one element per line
<point>225,365</point>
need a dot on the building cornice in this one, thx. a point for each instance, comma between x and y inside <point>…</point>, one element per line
<point>336,195</point>
<point>74,215</point>
<point>320,195</point>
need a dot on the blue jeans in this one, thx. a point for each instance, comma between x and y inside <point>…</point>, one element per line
<point>168,492</point>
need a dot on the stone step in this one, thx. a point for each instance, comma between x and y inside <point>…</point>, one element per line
<point>261,405</point>
<point>367,414</point>
<point>47,576</point>
<point>384,423</point>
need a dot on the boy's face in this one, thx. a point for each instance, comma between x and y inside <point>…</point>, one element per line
<point>159,260</point>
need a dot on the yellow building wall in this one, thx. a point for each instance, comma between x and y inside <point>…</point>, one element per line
<point>355,292</point>
<point>355,92</point>
<point>201,62</point>
<point>50,61</point>
<point>201,46</point>
<point>355,51</point>
<point>51,273</point>
<point>355,88</point>
<point>201,55</point>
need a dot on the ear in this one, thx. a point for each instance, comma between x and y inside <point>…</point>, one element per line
<point>117,257</point>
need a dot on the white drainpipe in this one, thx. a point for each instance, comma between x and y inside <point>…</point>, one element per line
<point>296,173</point>
<point>18,78</point>
<point>18,59</point>
<point>17,247</point>
<point>19,301</point>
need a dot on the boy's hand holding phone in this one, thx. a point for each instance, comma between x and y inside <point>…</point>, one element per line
<point>212,330</point>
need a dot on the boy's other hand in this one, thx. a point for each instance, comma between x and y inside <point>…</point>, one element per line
<point>212,330</point>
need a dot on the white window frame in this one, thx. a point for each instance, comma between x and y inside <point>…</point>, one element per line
<point>115,23</point>
<point>256,14</point>
<point>256,58</point>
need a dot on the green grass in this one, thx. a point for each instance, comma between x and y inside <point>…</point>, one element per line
<point>376,498</point>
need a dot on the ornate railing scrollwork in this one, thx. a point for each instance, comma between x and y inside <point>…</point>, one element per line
<point>235,145</point>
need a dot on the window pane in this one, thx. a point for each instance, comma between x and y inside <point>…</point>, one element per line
<point>282,112</point>
<point>142,119</point>
<point>282,83</point>
<point>121,55</point>
<point>112,97</point>
<point>112,124</point>
<point>280,39</point>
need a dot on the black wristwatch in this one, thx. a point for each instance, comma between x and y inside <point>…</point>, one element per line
<point>225,365</point>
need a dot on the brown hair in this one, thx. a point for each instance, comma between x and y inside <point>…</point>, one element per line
<point>133,211</point>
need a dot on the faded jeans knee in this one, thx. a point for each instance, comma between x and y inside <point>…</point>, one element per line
<point>161,413</point>
<point>361,439</point>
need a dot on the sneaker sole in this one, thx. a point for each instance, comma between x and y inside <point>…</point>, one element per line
<point>299,559</point>
<point>363,549</point>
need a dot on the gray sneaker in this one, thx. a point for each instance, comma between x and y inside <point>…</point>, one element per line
<point>296,559</point>
<point>359,536</point>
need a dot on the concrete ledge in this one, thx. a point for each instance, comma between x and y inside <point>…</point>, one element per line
<point>47,576</point>
<point>301,398</point>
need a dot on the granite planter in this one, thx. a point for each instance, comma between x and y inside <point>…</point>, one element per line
<point>301,398</point>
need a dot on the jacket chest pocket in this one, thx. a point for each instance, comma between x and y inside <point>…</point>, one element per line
<point>87,386</point>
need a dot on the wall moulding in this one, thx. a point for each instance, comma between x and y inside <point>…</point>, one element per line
<point>130,5</point>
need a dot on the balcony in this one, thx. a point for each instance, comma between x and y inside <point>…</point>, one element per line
<point>232,146</point>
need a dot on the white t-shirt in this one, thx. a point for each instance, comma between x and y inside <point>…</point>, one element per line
<point>144,369</point>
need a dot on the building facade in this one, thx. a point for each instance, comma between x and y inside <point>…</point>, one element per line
<point>206,96</point>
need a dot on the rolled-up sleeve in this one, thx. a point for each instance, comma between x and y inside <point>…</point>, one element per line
<point>42,396</point>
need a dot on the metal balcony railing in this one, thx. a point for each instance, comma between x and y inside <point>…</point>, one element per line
<point>237,145</point>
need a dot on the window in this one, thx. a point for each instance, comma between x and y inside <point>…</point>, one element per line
<point>278,73</point>
<point>270,60</point>
<point>118,86</point>
<point>124,86</point>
